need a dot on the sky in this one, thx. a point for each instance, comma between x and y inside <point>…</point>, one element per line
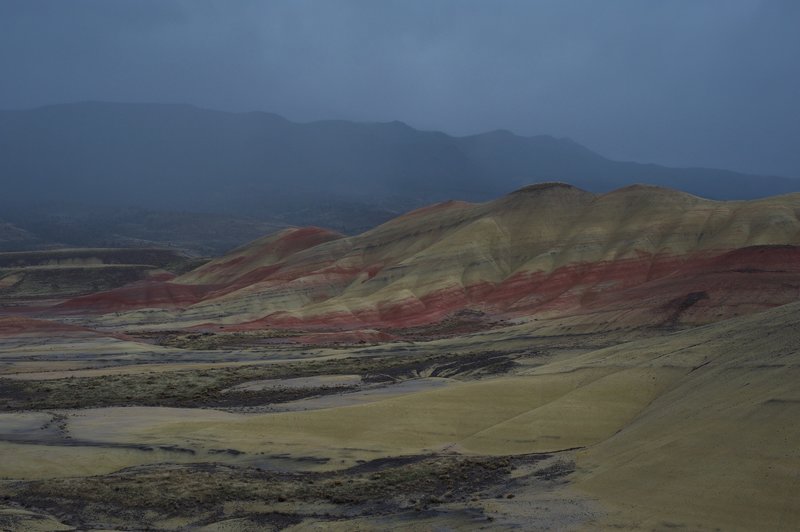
<point>682,82</point>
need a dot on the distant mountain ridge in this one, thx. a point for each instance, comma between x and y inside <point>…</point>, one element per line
<point>166,156</point>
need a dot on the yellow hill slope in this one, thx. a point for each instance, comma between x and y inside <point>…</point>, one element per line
<point>722,447</point>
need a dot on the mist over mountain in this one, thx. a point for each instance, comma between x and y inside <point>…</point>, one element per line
<point>118,174</point>
<point>164,156</point>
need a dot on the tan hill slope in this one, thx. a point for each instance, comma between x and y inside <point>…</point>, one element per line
<point>548,249</point>
<point>721,447</point>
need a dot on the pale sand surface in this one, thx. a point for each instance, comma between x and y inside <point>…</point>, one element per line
<point>35,461</point>
<point>495,416</point>
<point>368,395</point>
<point>18,519</point>
<point>21,423</point>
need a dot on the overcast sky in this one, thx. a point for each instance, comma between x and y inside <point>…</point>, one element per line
<point>681,82</point>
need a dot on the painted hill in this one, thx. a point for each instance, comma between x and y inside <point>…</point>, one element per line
<point>640,255</point>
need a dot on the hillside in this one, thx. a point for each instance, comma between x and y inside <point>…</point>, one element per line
<point>637,256</point>
<point>719,447</point>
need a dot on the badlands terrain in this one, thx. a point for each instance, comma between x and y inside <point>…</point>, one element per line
<point>552,359</point>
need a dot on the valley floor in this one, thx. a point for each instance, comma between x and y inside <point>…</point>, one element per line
<point>518,427</point>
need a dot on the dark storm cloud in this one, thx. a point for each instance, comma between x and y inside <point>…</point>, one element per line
<point>683,82</point>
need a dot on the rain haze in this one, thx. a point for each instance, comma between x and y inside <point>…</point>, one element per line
<point>710,83</point>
